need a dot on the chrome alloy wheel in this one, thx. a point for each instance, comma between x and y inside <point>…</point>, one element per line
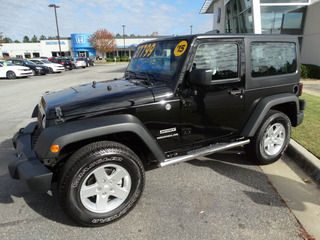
<point>274,139</point>
<point>105,188</point>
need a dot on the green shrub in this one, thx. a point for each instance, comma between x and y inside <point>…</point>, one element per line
<point>117,59</point>
<point>125,59</point>
<point>109,60</point>
<point>310,71</point>
<point>304,71</point>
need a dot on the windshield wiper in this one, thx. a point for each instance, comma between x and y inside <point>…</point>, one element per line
<point>129,74</point>
<point>149,77</point>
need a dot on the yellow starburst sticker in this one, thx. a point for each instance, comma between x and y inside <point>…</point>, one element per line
<point>180,48</point>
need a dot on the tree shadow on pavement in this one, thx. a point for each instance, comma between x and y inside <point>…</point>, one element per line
<point>45,204</point>
<point>238,167</point>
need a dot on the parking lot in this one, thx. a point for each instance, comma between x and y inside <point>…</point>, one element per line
<point>223,196</point>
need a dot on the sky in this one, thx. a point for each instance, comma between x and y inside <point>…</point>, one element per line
<point>140,17</point>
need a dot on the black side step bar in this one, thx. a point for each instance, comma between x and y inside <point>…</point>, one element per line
<point>203,152</point>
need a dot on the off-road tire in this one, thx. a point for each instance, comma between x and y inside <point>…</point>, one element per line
<point>94,167</point>
<point>271,139</point>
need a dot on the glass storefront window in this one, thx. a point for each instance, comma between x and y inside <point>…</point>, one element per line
<point>246,22</point>
<point>284,1</point>
<point>282,19</point>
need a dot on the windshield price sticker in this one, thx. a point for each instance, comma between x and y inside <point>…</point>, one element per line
<point>180,48</point>
<point>144,51</point>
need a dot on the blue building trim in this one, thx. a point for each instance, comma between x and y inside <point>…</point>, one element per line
<point>79,43</point>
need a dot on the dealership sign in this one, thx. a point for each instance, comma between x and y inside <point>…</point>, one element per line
<point>55,42</point>
<point>80,39</point>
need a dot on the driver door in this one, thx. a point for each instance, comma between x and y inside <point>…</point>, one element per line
<point>217,111</point>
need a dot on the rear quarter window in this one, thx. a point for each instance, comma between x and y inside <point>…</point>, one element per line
<point>273,58</point>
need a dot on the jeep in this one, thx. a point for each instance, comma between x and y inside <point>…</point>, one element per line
<point>180,98</point>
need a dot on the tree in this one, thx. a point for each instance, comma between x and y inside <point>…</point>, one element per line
<point>42,37</point>
<point>34,39</point>
<point>1,41</point>
<point>26,39</point>
<point>103,41</point>
<point>7,40</point>
<point>17,41</point>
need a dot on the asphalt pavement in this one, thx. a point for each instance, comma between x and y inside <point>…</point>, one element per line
<point>222,196</point>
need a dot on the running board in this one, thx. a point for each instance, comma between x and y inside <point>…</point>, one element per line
<point>203,152</point>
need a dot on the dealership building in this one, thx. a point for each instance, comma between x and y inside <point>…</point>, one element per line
<point>295,17</point>
<point>76,45</point>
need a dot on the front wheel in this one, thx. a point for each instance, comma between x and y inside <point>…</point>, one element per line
<point>100,183</point>
<point>271,139</point>
<point>11,75</point>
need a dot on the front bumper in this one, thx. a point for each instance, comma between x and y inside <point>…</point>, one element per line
<point>25,164</point>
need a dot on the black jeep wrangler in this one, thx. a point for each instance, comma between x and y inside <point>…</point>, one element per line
<point>180,98</point>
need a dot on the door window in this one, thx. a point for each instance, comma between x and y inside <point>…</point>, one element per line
<point>221,58</point>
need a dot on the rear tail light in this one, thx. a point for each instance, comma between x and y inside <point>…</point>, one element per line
<point>300,90</point>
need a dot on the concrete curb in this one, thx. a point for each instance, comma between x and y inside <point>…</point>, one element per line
<point>306,160</point>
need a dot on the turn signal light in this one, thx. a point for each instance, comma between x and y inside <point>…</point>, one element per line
<point>55,148</point>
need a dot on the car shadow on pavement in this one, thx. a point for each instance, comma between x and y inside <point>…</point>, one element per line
<point>45,204</point>
<point>237,166</point>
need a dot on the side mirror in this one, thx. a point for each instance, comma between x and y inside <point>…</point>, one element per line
<point>200,77</point>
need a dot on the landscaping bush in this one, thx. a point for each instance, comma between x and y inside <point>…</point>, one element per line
<point>117,59</point>
<point>109,60</point>
<point>310,71</point>
<point>125,59</point>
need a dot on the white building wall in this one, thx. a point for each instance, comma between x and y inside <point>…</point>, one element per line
<point>46,47</point>
<point>310,51</point>
<point>219,4</point>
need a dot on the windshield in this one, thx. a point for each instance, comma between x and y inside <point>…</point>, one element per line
<point>158,61</point>
<point>46,61</point>
<point>29,62</point>
<point>36,61</point>
<point>7,64</point>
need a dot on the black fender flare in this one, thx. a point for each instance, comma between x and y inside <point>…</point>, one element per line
<point>70,132</point>
<point>261,109</point>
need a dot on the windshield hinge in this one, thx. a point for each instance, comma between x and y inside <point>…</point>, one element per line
<point>59,115</point>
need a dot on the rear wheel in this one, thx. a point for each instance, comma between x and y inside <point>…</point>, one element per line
<point>271,139</point>
<point>100,183</point>
<point>11,75</point>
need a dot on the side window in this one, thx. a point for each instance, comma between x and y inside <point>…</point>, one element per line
<point>17,62</point>
<point>221,58</point>
<point>269,59</point>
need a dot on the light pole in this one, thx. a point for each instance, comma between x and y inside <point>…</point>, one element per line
<point>55,12</point>
<point>124,39</point>
<point>191,28</point>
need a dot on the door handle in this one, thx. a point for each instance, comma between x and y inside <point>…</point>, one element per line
<point>236,92</point>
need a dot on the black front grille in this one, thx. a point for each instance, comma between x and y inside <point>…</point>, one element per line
<point>34,137</point>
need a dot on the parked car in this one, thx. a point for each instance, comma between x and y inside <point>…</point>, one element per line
<point>89,61</point>
<point>53,67</point>
<point>66,62</point>
<point>78,62</point>
<point>11,71</point>
<point>197,95</point>
<point>36,69</point>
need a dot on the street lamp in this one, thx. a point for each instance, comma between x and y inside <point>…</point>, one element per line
<point>124,40</point>
<point>55,12</point>
<point>191,28</point>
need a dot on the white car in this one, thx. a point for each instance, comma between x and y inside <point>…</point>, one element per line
<point>53,67</point>
<point>11,71</point>
<point>78,62</point>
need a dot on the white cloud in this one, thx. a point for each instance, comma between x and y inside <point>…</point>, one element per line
<point>141,17</point>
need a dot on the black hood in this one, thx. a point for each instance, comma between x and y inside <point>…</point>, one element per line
<point>101,97</point>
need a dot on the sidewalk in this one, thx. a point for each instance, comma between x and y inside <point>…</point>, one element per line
<point>301,189</point>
